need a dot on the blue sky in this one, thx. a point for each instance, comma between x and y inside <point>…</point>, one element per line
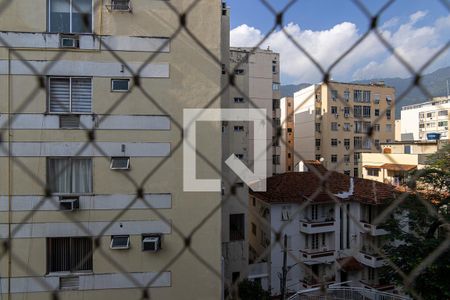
<point>416,28</point>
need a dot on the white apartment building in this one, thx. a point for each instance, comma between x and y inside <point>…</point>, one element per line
<point>328,242</point>
<point>92,238</point>
<point>424,120</point>
<point>257,84</point>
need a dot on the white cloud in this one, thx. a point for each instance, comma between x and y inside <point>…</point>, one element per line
<point>369,59</point>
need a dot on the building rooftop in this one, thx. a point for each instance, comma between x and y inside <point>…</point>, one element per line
<point>299,187</point>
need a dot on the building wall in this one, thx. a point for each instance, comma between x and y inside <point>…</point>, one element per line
<point>313,105</point>
<point>287,134</point>
<point>254,85</point>
<point>420,119</point>
<point>166,79</point>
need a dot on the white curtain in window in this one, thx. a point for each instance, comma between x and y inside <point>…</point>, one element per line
<point>81,176</point>
<point>59,175</point>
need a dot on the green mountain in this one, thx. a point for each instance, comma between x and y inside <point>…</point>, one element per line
<point>435,83</point>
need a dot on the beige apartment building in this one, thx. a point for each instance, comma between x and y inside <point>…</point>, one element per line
<point>332,121</point>
<point>257,85</point>
<point>287,134</point>
<point>396,160</point>
<point>92,239</point>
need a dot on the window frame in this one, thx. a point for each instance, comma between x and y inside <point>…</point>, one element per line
<point>120,157</point>
<point>120,91</point>
<point>70,158</point>
<point>120,247</point>
<point>71,17</point>
<point>70,112</point>
<point>49,254</point>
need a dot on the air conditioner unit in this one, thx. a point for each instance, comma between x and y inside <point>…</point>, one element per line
<point>69,203</point>
<point>347,147</point>
<point>336,115</point>
<point>151,243</point>
<point>346,115</point>
<point>69,41</point>
<point>120,5</point>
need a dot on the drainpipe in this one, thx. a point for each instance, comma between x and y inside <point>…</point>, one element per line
<point>9,175</point>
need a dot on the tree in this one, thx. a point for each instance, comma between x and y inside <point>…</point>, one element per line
<point>416,231</point>
<point>252,290</point>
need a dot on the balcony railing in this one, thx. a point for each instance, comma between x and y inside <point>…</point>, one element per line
<point>344,293</point>
<point>317,256</point>
<point>372,229</point>
<point>317,226</point>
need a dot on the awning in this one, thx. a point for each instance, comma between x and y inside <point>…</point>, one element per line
<point>372,167</point>
<point>399,167</point>
<point>349,264</point>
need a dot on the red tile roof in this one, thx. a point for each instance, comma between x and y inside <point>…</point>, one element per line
<point>297,187</point>
<point>398,167</point>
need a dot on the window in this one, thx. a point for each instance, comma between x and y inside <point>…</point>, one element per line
<point>334,142</point>
<point>274,69</point>
<point>238,128</point>
<point>346,111</point>
<point>443,123</point>
<point>366,111</point>
<point>347,142</point>
<point>357,95</point>
<point>347,158</point>
<point>70,95</point>
<point>285,213</point>
<point>334,110</point>
<point>356,157</point>
<point>334,126</point>
<point>373,172</point>
<point>239,72</point>
<point>376,127</point>
<point>69,16</point>
<point>430,115</point>
<point>275,86</point>
<point>317,142</point>
<point>315,241</point>
<point>254,229</point>
<point>376,99</point>
<point>119,242</point>
<point>377,112</point>
<point>69,254</point>
<point>357,142</point>
<point>388,127</point>
<point>407,149</point>
<point>253,201</point>
<point>443,113</point>
<point>388,114</point>
<point>357,111</point>
<point>377,144</point>
<point>238,100</point>
<point>276,159</point>
<point>120,85</point>
<point>355,172</point>
<point>362,127</point>
<point>334,95</point>
<point>347,172</point>
<point>347,95</point>
<point>120,163</point>
<point>70,175</point>
<point>239,155</point>
<point>346,126</point>
<point>237,227</point>
<point>317,127</point>
<point>275,104</point>
<point>289,155</point>
<point>318,157</point>
<point>314,212</point>
<point>334,158</point>
<point>366,96</point>
<point>289,130</point>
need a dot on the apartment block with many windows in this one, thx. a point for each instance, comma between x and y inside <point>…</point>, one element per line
<point>257,85</point>
<point>76,122</point>
<point>332,122</point>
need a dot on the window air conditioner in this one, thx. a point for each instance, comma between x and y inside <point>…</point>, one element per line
<point>151,243</point>
<point>69,203</point>
<point>69,41</point>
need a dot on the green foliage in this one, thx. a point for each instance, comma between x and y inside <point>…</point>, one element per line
<point>417,230</point>
<point>252,290</point>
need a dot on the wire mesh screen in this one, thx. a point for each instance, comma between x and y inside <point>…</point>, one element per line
<point>66,178</point>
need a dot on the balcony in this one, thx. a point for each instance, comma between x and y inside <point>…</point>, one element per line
<point>370,259</point>
<point>310,282</point>
<point>317,256</point>
<point>344,293</point>
<point>377,286</point>
<point>372,229</point>
<point>317,226</point>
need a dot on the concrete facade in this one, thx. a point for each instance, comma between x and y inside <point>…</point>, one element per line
<point>429,117</point>
<point>257,77</point>
<point>332,121</point>
<point>179,76</point>
<point>287,134</point>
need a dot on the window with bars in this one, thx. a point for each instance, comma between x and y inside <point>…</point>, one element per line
<point>69,254</point>
<point>69,175</point>
<point>70,16</point>
<point>70,95</point>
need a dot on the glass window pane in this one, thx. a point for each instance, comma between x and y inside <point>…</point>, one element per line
<point>82,16</point>
<point>59,175</point>
<point>81,176</point>
<point>59,16</point>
